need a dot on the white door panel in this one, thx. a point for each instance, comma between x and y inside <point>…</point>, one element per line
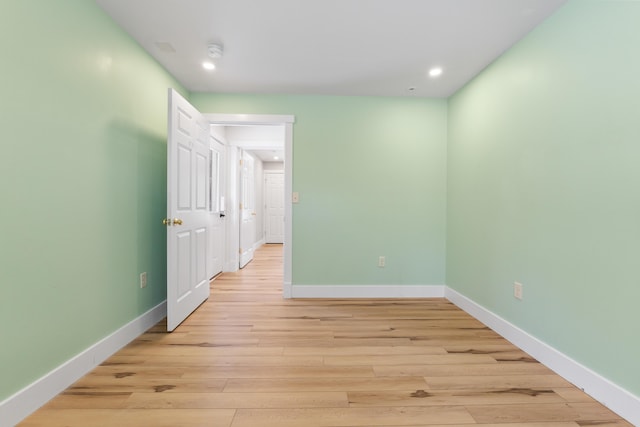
<point>201,182</point>
<point>274,207</point>
<point>216,170</point>
<point>187,214</point>
<point>183,264</point>
<point>247,209</point>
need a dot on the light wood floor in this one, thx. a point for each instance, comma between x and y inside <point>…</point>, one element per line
<point>248,358</point>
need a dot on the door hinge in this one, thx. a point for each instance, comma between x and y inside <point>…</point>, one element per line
<point>240,250</point>
<point>241,162</point>
<point>240,206</point>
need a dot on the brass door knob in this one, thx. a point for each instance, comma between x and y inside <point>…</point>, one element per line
<point>166,221</point>
<point>177,221</point>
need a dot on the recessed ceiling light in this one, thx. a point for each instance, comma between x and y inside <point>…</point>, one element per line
<point>435,72</point>
<point>208,65</point>
<point>275,157</point>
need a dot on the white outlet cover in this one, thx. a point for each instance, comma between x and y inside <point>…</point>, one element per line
<point>517,290</point>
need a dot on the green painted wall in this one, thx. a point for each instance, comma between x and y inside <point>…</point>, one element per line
<point>371,173</point>
<point>82,183</point>
<point>543,186</point>
<point>540,185</point>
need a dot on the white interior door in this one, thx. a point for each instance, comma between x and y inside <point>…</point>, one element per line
<point>274,207</point>
<point>247,209</point>
<point>187,210</point>
<point>217,213</point>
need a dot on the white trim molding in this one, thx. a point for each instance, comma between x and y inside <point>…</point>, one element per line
<point>288,210</point>
<point>17,407</point>
<point>604,391</point>
<point>367,291</point>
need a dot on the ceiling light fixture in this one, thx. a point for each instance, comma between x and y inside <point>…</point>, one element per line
<point>209,66</point>
<point>435,72</point>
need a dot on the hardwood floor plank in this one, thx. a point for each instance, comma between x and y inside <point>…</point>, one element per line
<point>335,342</point>
<point>203,348</point>
<point>482,348</point>
<point>420,397</point>
<point>496,382</point>
<point>433,371</point>
<point>580,412</point>
<point>546,424</point>
<point>135,384</point>
<point>395,360</point>
<point>343,417</point>
<point>324,384</point>
<point>454,322</point>
<point>238,400</point>
<point>362,351</point>
<point>446,341</point>
<point>219,360</point>
<point>615,423</point>
<point>278,372</point>
<point>76,417</point>
<point>131,370</point>
<point>174,417</point>
<point>131,418</point>
<point>416,334</point>
<point>88,399</point>
<point>572,394</point>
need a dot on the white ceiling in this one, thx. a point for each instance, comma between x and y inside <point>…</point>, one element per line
<point>264,141</point>
<point>333,47</point>
<point>269,156</point>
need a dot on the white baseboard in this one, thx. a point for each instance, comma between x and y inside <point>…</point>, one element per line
<point>286,290</point>
<point>367,291</point>
<point>231,266</point>
<point>17,407</point>
<point>609,394</point>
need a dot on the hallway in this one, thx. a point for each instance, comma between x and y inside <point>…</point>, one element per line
<point>247,357</point>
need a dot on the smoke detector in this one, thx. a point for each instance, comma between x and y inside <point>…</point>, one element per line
<point>215,51</point>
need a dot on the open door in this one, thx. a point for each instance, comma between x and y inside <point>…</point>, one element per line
<point>247,209</point>
<point>217,212</point>
<point>188,159</point>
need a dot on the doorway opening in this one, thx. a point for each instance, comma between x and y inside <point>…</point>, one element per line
<point>245,140</point>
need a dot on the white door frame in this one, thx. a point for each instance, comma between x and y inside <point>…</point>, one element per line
<point>287,121</point>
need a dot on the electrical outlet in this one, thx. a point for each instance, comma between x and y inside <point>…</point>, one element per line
<point>517,290</point>
<point>381,261</point>
<point>143,280</point>
<point>295,197</point>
